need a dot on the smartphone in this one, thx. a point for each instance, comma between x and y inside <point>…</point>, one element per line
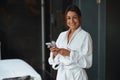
<point>49,44</point>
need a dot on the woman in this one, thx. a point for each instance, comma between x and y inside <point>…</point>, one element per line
<point>73,49</point>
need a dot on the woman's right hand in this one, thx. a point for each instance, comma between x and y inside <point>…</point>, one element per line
<point>54,50</point>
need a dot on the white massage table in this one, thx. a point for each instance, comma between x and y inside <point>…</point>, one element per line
<point>12,68</point>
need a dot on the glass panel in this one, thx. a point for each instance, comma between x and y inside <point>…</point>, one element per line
<point>20,22</point>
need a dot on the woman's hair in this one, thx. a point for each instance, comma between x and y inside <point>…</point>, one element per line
<point>73,8</point>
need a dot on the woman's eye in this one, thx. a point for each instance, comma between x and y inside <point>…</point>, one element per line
<point>75,17</point>
<point>68,18</point>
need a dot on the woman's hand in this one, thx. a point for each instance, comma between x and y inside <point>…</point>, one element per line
<point>61,51</point>
<point>54,50</point>
<point>64,52</point>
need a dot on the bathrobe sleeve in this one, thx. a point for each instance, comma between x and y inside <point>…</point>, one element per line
<point>81,57</point>
<point>55,62</point>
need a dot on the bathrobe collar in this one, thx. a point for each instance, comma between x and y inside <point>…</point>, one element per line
<point>74,34</point>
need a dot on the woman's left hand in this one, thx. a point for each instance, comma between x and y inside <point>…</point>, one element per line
<point>64,52</point>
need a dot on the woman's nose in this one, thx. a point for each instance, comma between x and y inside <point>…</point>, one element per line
<point>72,20</point>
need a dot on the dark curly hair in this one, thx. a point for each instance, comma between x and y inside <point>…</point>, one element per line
<point>73,8</point>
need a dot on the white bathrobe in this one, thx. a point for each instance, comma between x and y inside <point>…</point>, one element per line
<point>72,67</point>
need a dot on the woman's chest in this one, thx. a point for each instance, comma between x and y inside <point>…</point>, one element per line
<point>74,43</point>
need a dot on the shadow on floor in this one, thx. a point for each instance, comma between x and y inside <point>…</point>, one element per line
<point>46,75</point>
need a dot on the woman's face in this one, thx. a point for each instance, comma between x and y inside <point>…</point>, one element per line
<point>72,20</point>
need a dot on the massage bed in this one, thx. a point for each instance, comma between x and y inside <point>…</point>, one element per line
<point>17,69</point>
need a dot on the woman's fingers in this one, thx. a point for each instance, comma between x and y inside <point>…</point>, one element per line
<point>48,46</point>
<point>53,49</point>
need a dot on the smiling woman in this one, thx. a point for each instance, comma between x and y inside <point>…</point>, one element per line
<point>73,49</point>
